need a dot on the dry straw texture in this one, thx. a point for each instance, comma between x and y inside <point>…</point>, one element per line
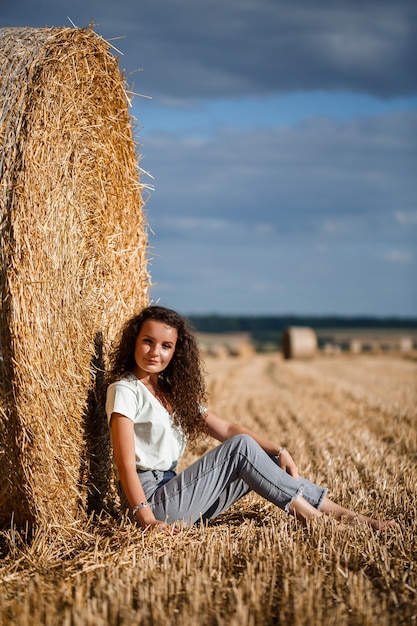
<point>73,266</point>
<point>351,424</point>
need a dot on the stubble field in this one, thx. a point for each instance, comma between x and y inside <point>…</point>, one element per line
<point>350,423</point>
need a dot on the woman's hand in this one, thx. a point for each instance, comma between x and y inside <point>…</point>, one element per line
<point>287,464</point>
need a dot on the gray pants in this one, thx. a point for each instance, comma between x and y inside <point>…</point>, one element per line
<point>218,479</point>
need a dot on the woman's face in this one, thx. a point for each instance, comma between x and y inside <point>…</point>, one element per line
<point>154,348</point>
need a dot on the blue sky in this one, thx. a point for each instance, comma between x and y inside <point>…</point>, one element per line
<point>281,141</point>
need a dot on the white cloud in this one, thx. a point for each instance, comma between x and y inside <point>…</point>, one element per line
<point>340,226</point>
<point>406,218</point>
<point>402,257</point>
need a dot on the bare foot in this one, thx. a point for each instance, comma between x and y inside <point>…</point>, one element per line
<point>380,524</point>
<point>351,518</point>
<point>376,524</point>
<point>345,519</point>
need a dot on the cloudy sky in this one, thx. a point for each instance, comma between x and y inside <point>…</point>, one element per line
<point>281,138</point>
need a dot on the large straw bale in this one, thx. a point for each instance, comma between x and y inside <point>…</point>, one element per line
<point>73,263</point>
<point>299,343</point>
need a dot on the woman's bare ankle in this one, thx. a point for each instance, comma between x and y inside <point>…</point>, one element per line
<point>303,510</point>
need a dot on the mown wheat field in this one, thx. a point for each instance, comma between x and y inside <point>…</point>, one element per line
<point>350,423</point>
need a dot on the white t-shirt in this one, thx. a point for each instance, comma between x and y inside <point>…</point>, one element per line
<point>158,443</point>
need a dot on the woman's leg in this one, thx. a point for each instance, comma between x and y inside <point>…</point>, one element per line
<point>225,474</point>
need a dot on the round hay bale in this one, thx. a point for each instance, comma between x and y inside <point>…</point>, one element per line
<point>73,247</point>
<point>355,346</point>
<point>299,343</point>
<point>245,349</point>
<point>405,344</point>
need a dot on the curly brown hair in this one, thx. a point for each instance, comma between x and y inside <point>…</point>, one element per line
<point>182,381</point>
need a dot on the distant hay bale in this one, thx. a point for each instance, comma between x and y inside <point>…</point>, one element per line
<point>405,344</point>
<point>355,346</point>
<point>299,343</point>
<point>236,344</point>
<point>218,350</point>
<point>331,349</point>
<point>244,350</point>
<point>73,262</point>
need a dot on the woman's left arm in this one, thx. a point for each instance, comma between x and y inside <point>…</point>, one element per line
<point>221,430</point>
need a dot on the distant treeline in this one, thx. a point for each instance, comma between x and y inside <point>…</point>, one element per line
<point>215,323</point>
<point>265,327</point>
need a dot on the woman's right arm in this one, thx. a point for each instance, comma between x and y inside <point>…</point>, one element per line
<point>124,455</point>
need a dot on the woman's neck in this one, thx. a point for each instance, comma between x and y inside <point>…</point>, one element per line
<point>150,380</point>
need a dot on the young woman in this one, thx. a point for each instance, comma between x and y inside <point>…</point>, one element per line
<point>155,403</point>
